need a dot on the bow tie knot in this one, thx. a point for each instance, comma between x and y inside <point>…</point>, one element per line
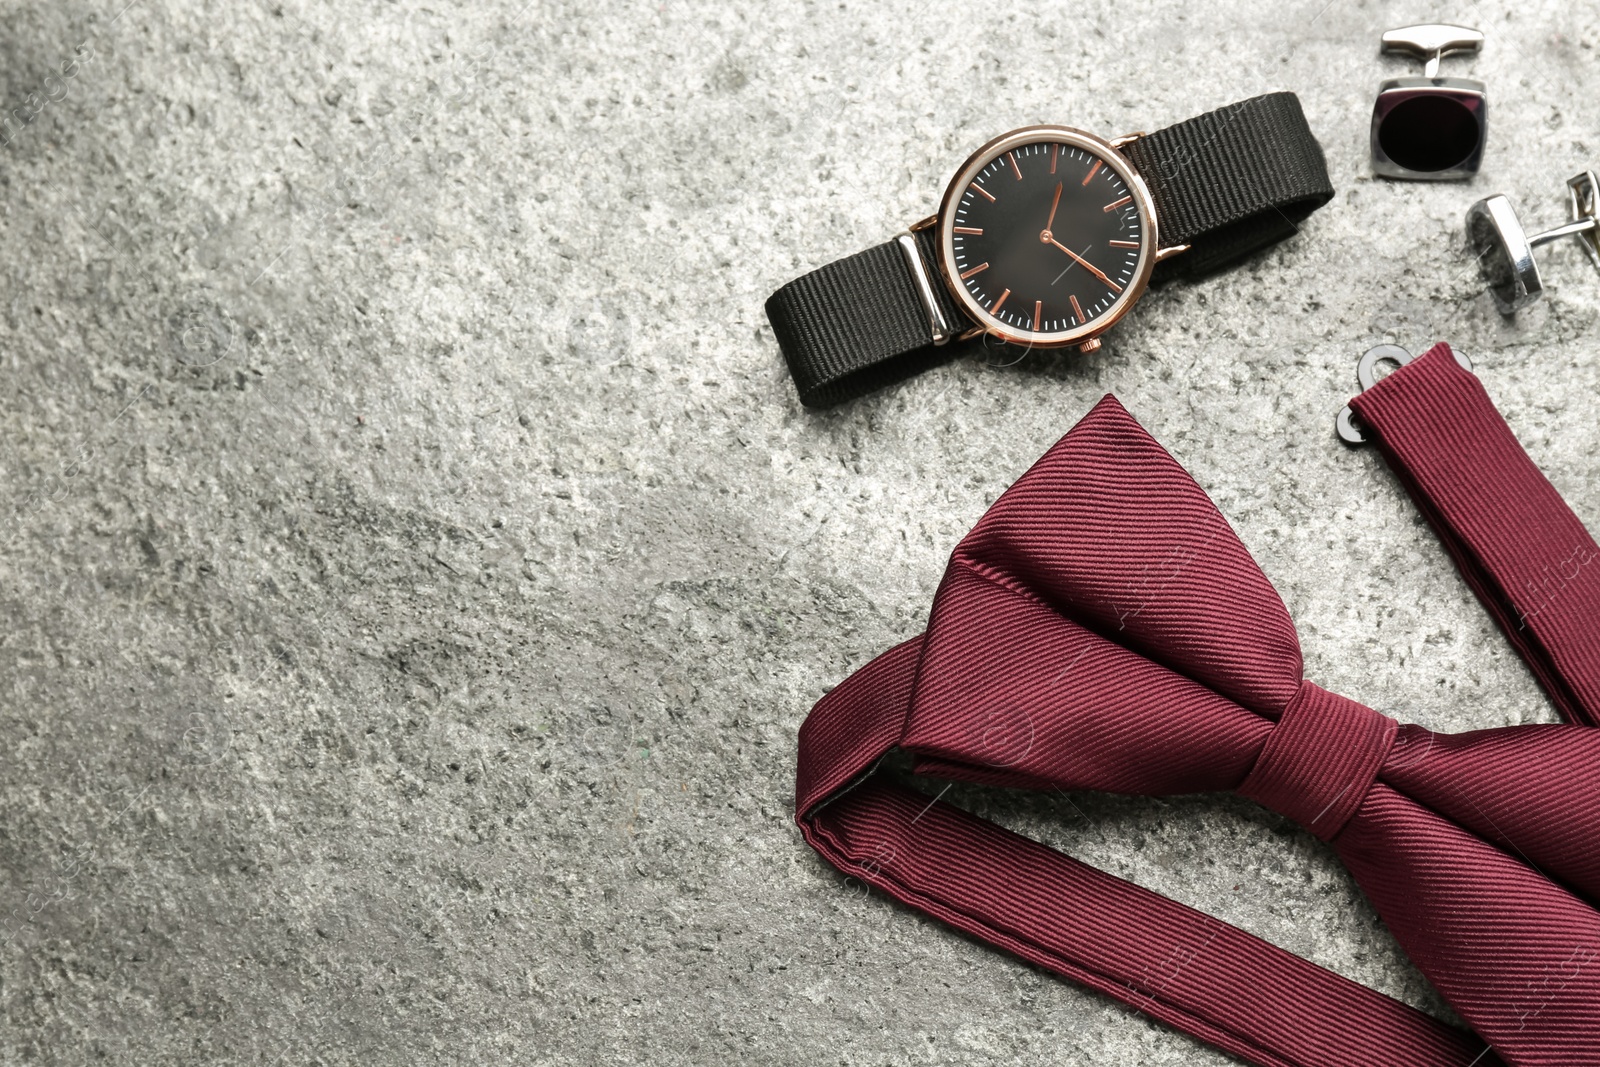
<point>1320,760</point>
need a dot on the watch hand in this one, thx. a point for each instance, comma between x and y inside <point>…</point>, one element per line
<point>1090,267</point>
<point>1053,205</point>
<point>1069,266</point>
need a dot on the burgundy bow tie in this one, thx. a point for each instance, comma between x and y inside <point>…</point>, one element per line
<point>1102,627</point>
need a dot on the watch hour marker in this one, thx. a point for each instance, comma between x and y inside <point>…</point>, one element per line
<point>1055,150</point>
<point>1116,204</point>
<point>1013,157</point>
<point>979,231</point>
<point>1092,172</point>
<point>1038,306</point>
<point>984,191</point>
<point>1115,244</point>
<point>974,270</point>
<point>995,309</point>
<point>1076,310</point>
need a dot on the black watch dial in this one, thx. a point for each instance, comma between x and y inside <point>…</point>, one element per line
<point>1048,238</point>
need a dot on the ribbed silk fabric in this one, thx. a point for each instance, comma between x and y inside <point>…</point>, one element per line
<point>1102,627</point>
<point>1517,543</point>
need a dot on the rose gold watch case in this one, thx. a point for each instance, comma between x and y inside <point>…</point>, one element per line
<point>1102,149</point>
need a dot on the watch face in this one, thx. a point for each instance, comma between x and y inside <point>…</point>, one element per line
<point>1047,235</point>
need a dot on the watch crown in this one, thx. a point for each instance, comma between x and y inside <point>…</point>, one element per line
<point>1090,345</point>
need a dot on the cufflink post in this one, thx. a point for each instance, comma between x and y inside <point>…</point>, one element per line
<point>1569,230</point>
<point>1431,42</point>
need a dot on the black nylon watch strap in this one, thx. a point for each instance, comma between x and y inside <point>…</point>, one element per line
<point>857,324</point>
<point>1232,181</point>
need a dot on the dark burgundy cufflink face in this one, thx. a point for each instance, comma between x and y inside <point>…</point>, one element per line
<point>1430,128</point>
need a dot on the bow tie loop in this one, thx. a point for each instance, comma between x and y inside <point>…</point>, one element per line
<point>1320,760</point>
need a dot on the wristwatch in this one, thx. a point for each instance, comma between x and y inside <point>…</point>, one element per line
<point>1046,237</point>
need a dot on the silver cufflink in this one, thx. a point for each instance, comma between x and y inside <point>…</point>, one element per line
<point>1505,251</point>
<point>1430,128</point>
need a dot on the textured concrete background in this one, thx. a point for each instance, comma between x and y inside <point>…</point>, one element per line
<point>417,565</point>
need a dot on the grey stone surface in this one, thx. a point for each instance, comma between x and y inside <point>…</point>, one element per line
<point>417,565</point>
